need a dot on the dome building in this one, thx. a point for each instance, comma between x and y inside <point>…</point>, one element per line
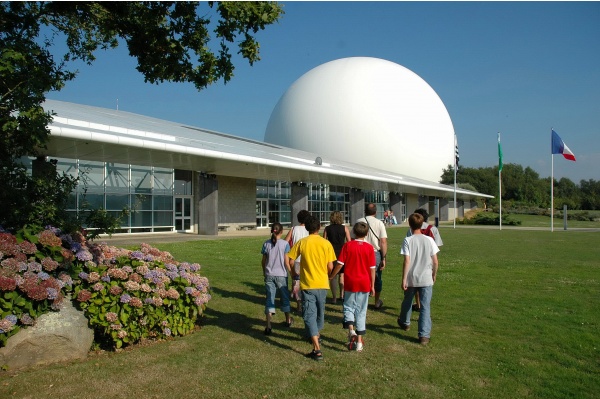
<point>368,111</point>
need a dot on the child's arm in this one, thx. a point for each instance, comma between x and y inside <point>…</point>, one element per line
<point>348,237</point>
<point>405,272</point>
<point>435,266</point>
<point>373,280</point>
<point>289,235</point>
<point>264,265</point>
<point>336,270</point>
<point>329,267</point>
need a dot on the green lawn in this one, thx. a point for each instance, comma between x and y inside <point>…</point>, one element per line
<point>515,314</point>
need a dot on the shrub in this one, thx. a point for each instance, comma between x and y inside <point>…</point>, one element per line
<point>33,278</point>
<point>129,296</point>
<point>126,295</point>
<point>491,219</point>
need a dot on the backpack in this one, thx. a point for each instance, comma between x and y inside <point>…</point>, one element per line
<point>428,232</point>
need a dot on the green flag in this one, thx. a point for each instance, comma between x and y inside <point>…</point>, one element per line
<point>499,154</point>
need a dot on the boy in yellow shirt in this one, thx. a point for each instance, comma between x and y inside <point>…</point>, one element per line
<point>315,265</point>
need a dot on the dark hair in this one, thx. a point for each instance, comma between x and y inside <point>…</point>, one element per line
<point>415,221</point>
<point>423,213</point>
<point>370,209</point>
<point>360,229</point>
<point>312,224</point>
<point>276,228</point>
<point>302,215</point>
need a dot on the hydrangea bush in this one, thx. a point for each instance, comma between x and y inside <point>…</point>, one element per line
<point>126,295</point>
<point>33,278</point>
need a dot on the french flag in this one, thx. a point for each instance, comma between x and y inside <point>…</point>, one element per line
<point>559,147</point>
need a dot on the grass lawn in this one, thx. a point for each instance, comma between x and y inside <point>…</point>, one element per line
<point>515,314</point>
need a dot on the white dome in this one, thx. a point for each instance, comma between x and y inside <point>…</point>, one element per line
<point>367,111</point>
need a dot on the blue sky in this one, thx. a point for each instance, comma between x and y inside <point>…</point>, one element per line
<point>518,68</point>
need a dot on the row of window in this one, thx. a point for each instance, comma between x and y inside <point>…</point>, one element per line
<point>143,197</point>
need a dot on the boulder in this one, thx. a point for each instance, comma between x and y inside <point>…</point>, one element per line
<point>55,337</point>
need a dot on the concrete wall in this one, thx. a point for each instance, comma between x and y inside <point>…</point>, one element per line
<point>237,201</point>
<point>299,201</point>
<point>206,194</point>
<point>357,206</point>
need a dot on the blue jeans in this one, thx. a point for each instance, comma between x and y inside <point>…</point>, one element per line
<point>355,310</point>
<point>272,284</point>
<point>425,294</point>
<point>313,310</point>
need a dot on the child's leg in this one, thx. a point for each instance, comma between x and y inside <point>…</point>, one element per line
<point>334,288</point>
<point>269,317</point>
<point>270,290</point>
<point>425,314</point>
<point>406,307</point>
<point>362,301</point>
<point>284,293</point>
<point>417,305</point>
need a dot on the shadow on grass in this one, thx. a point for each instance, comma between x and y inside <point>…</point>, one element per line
<point>258,300</point>
<point>254,327</point>
<point>394,330</point>
<point>242,324</point>
<point>257,288</point>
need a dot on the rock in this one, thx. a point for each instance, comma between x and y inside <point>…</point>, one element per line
<point>56,337</point>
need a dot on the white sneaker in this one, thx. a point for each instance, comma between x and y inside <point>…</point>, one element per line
<point>359,346</point>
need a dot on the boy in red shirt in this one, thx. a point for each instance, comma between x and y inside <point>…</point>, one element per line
<point>358,259</point>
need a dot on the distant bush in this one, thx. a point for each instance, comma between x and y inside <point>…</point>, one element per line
<point>490,219</point>
<point>583,216</point>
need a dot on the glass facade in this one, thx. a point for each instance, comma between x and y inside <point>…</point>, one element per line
<point>274,197</point>
<point>160,199</point>
<point>379,198</point>
<point>145,192</point>
<point>324,199</point>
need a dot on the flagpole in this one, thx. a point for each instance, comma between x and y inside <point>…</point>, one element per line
<point>455,193</point>
<point>455,167</point>
<point>551,186</point>
<point>500,184</point>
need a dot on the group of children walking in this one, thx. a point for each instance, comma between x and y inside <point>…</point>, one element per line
<point>313,264</point>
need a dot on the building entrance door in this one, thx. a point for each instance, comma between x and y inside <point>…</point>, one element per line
<point>183,214</point>
<point>261,213</point>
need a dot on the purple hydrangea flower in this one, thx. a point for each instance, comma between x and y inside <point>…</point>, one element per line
<point>12,318</point>
<point>148,258</point>
<point>52,293</point>
<point>171,267</point>
<point>44,276</point>
<point>75,246</point>
<point>125,298</point>
<point>172,274</point>
<point>27,319</point>
<point>84,255</point>
<point>83,276</point>
<point>105,278</point>
<point>136,255</point>
<point>34,267</point>
<point>167,331</point>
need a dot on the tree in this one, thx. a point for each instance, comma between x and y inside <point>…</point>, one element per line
<point>170,40</point>
<point>590,193</point>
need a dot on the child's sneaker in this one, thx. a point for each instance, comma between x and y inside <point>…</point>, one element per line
<point>359,346</point>
<point>352,340</point>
